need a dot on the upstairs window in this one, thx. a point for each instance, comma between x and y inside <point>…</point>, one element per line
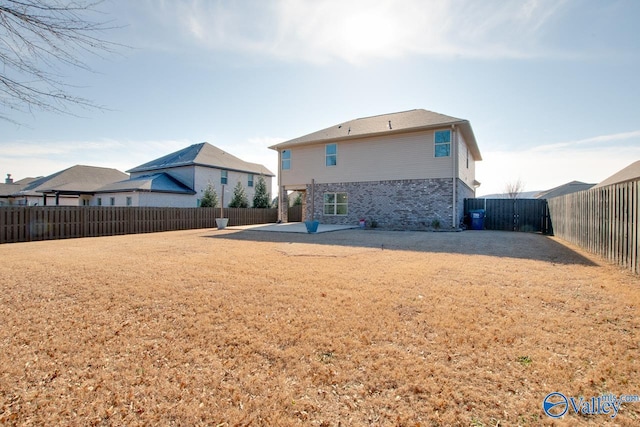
<point>335,203</point>
<point>443,143</point>
<point>286,160</point>
<point>250,180</point>
<point>331,154</point>
<point>223,177</point>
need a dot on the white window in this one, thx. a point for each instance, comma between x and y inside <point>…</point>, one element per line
<point>286,160</point>
<point>112,201</point>
<point>443,143</point>
<point>99,201</point>
<point>335,203</point>
<point>223,177</point>
<point>250,180</point>
<point>331,154</point>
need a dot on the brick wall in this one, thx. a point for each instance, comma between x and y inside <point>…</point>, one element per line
<point>397,204</point>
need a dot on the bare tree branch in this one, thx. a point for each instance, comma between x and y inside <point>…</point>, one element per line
<point>514,188</point>
<point>38,39</point>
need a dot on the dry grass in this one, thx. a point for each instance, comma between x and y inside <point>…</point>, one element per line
<point>349,328</point>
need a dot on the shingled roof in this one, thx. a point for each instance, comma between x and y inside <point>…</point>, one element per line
<point>158,182</point>
<point>76,179</point>
<point>564,189</point>
<point>203,154</point>
<point>630,173</point>
<point>385,124</point>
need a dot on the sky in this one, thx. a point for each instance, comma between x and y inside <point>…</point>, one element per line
<point>550,87</point>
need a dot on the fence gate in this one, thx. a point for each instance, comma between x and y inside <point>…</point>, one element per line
<point>531,215</point>
<point>295,213</point>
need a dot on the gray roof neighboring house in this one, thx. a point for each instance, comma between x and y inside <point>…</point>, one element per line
<point>203,154</point>
<point>630,173</point>
<point>77,179</point>
<point>562,190</point>
<point>158,182</point>
<point>8,190</point>
<point>387,124</point>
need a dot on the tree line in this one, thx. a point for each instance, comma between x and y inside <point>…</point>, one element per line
<point>261,198</point>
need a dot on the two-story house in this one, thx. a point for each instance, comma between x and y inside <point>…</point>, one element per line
<point>179,179</point>
<point>406,170</point>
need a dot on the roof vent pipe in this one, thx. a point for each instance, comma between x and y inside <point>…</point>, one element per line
<point>390,125</point>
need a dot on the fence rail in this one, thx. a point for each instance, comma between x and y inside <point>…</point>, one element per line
<point>604,220</point>
<point>31,223</point>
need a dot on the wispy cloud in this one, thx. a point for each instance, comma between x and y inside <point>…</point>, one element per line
<point>356,31</point>
<point>600,140</point>
<point>40,158</point>
<point>546,166</point>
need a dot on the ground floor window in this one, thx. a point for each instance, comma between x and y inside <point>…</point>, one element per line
<point>335,203</point>
<point>128,201</point>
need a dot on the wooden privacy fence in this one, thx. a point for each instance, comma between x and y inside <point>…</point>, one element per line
<point>30,223</point>
<point>604,220</point>
<point>529,215</point>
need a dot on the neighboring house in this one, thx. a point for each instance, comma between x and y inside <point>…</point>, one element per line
<point>179,179</point>
<point>563,190</point>
<point>630,173</point>
<point>70,187</point>
<point>407,170</point>
<point>10,188</point>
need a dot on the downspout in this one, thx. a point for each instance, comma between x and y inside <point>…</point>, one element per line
<point>454,146</point>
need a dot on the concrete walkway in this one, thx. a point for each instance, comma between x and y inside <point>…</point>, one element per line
<point>292,227</point>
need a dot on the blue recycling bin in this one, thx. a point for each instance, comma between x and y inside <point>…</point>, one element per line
<point>477,219</point>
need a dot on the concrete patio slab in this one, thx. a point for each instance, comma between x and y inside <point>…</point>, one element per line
<point>292,227</point>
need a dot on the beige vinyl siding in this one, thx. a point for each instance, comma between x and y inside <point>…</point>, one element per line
<point>467,175</point>
<point>392,157</point>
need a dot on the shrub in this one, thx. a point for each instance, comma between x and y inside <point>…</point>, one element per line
<point>261,197</point>
<point>210,198</point>
<point>240,199</point>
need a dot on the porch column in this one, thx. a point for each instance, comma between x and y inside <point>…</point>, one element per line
<point>283,205</point>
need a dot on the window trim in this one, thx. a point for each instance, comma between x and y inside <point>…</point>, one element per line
<point>328,155</point>
<point>437,144</point>
<point>224,176</point>
<point>112,201</point>
<point>335,203</point>
<point>250,180</point>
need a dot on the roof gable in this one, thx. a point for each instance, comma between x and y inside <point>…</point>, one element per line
<point>405,121</point>
<point>203,154</point>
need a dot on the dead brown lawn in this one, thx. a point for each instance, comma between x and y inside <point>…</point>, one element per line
<point>207,327</point>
